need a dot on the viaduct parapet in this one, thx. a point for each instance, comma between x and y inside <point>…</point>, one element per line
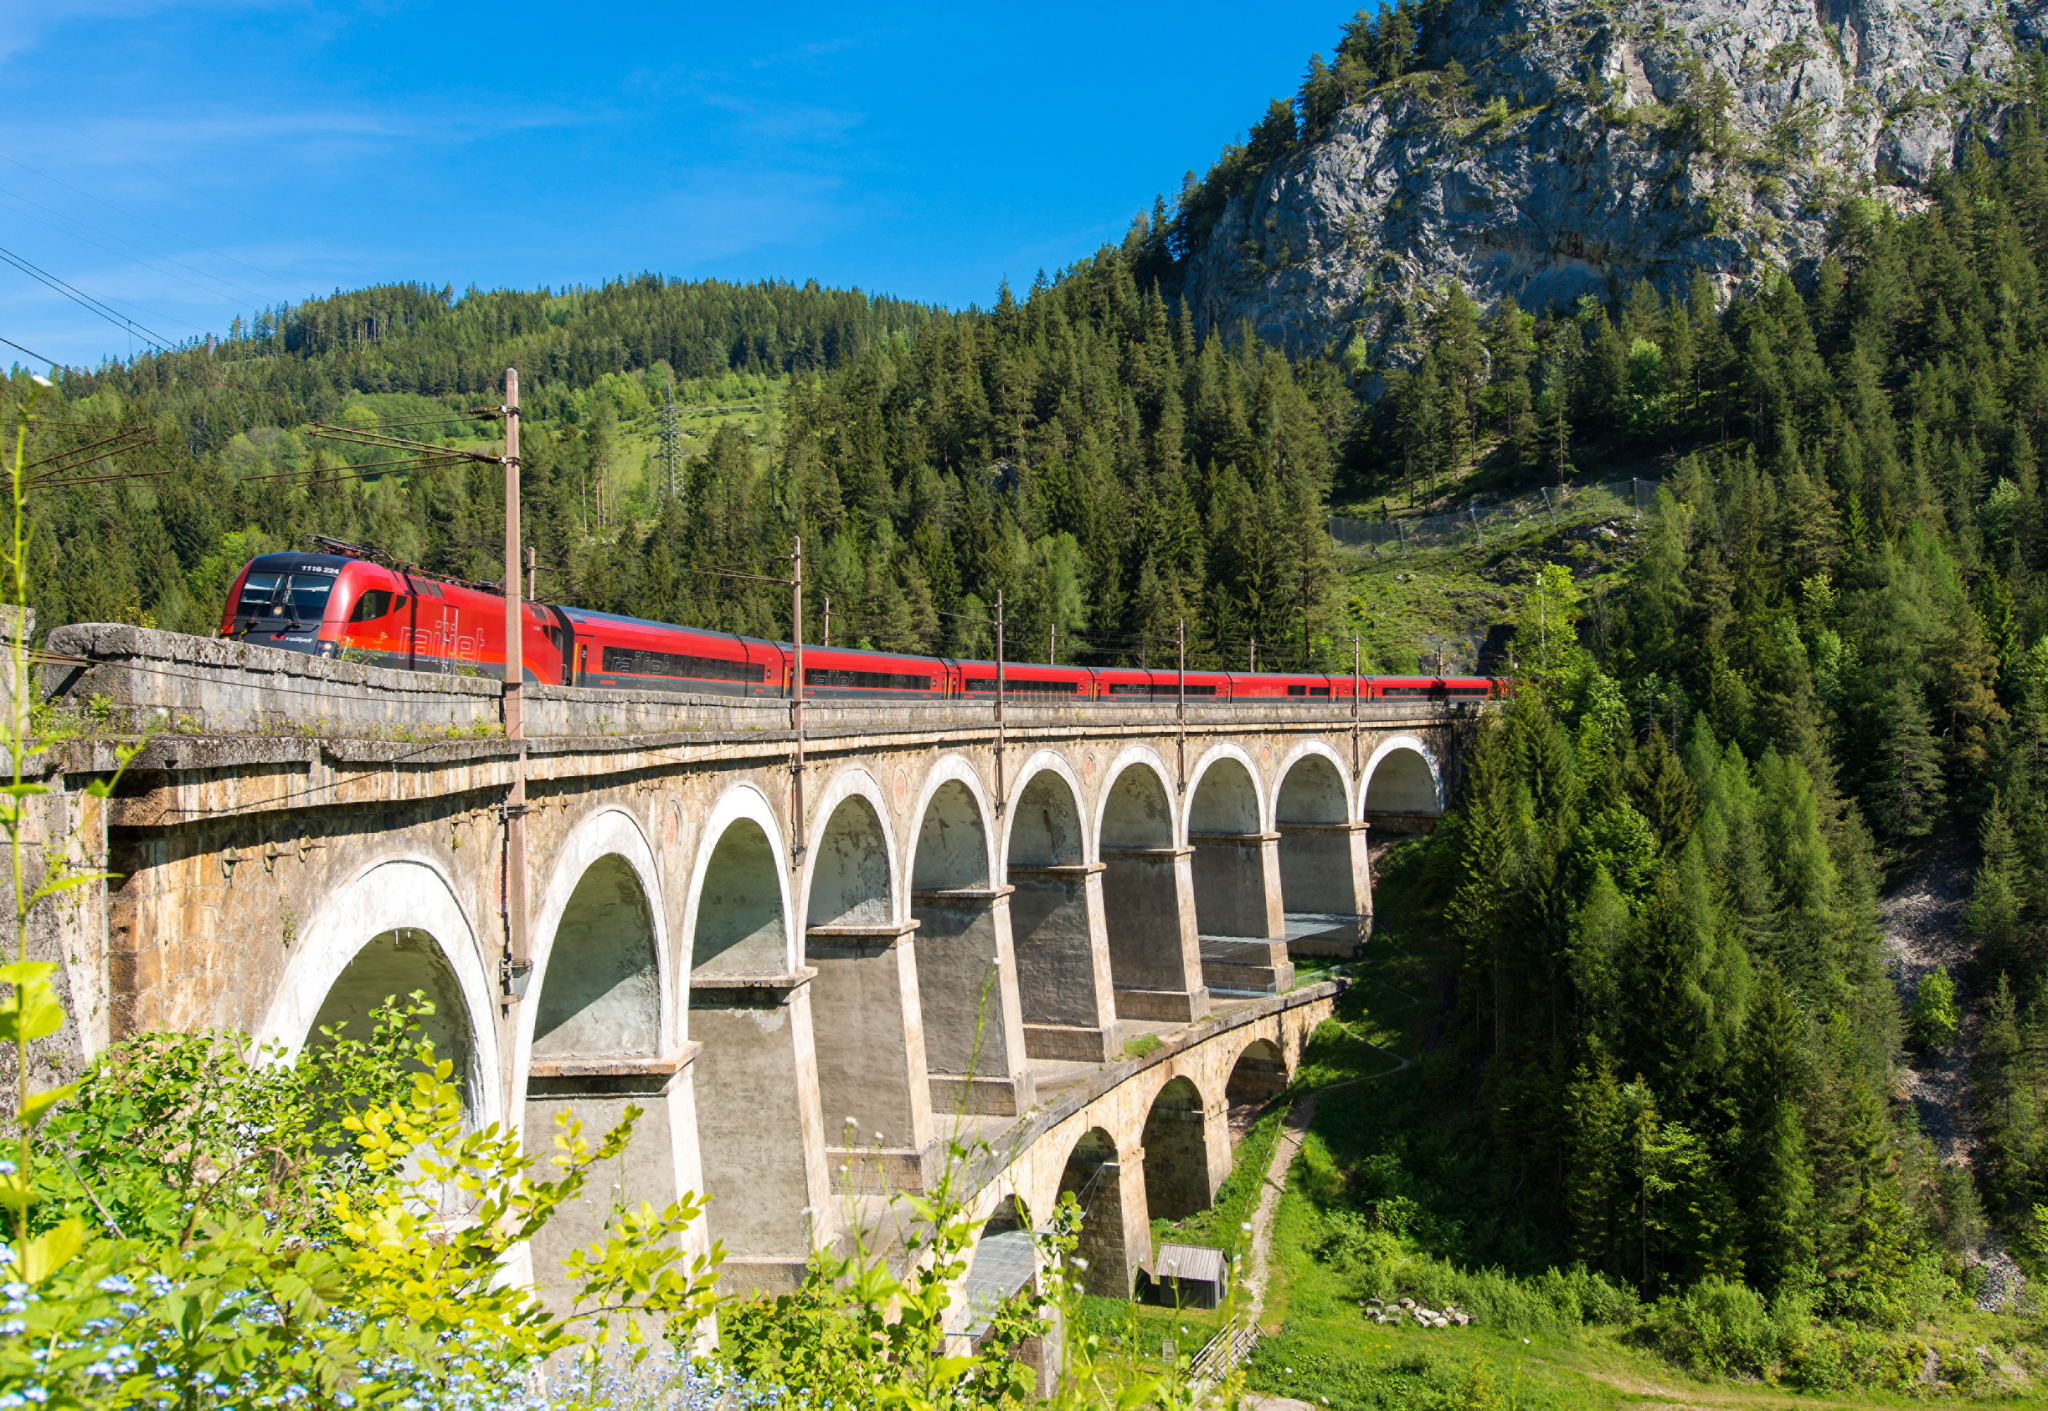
<point>959,926</point>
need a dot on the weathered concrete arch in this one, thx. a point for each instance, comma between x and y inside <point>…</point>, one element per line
<point>1325,867</point>
<point>1155,959</point>
<point>1178,1180</point>
<point>608,852</point>
<point>760,1127</point>
<point>1135,807</point>
<point>403,894</point>
<point>1237,863</point>
<point>865,1004</point>
<point>850,834</point>
<point>973,1024</point>
<point>1225,807</point>
<point>595,1031</point>
<point>1042,826</point>
<point>1112,1211</point>
<point>1064,991</point>
<point>1403,776</point>
<point>1304,794</point>
<point>737,919</point>
<point>952,819</point>
<point>1260,1073</point>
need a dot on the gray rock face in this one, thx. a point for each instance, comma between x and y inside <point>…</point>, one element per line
<point>1600,144</point>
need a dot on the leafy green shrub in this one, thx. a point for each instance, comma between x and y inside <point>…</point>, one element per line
<point>1716,1326</point>
<point>265,1270</point>
<point>1935,1021</point>
<point>1582,1296</point>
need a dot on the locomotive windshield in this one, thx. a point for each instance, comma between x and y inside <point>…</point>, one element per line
<point>288,597</point>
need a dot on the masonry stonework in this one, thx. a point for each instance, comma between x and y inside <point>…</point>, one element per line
<point>798,999</point>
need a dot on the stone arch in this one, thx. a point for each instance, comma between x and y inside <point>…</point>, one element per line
<point>973,1029</point>
<point>1010,1212</point>
<point>1323,859</point>
<point>864,1002</point>
<point>737,918</point>
<point>1056,916</point>
<point>1003,1262</point>
<point>1403,778</point>
<point>396,925</point>
<point>760,1129</point>
<point>595,1028</point>
<point>1136,805</point>
<point>1223,799</point>
<point>1315,786</point>
<point>611,995</point>
<point>1237,865</point>
<point>604,1000</point>
<point>955,847</point>
<point>1043,825</point>
<point>1155,961</point>
<point>1177,1162</point>
<point>1259,1075</point>
<point>850,867</point>
<point>1093,1175</point>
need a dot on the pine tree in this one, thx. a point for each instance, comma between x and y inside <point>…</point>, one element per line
<point>1907,785</point>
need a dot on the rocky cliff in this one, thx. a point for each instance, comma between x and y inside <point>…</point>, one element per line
<point>1548,149</point>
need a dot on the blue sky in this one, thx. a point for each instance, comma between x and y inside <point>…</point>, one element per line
<point>189,162</point>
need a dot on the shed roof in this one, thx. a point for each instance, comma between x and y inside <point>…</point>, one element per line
<point>1191,1262</point>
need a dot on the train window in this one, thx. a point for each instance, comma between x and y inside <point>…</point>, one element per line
<point>1319,690</point>
<point>636,661</point>
<point>1297,690</point>
<point>1013,687</point>
<point>373,604</point>
<point>833,677</point>
<point>1170,688</point>
<point>1404,690</point>
<point>1468,690</point>
<point>300,597</point>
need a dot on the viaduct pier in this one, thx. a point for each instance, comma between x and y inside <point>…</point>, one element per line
<point>958,924</point>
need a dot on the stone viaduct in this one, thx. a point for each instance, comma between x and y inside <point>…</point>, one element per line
<point>961,928</point>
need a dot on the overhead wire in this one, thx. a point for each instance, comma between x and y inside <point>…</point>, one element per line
<point>52,362</point>
<point>82,299</point>
<point>109,302</point>
<point>117,210</point>
<point>215,293</point>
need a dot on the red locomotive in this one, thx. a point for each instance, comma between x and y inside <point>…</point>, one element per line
<point>327,604</point>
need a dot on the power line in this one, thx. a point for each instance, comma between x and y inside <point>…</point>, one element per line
<point>214,293</point>
<point>30,351</point>
<point>82,299</point>
<point>125,303</point>
<point>182,186</point>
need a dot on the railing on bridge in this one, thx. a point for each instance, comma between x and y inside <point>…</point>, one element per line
<point>120,680</point>
<point>1223,1352</point>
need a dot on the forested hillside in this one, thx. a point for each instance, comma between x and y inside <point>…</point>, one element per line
<point>1660,884</point>
<point>1659,890</point>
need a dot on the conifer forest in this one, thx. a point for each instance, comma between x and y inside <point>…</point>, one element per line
<point>1664,1045</point>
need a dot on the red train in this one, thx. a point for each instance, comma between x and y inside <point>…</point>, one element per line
<point>327,604</point>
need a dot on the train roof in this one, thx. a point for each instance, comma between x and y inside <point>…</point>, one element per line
<point>621,620</point>
<point>287,561</point>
